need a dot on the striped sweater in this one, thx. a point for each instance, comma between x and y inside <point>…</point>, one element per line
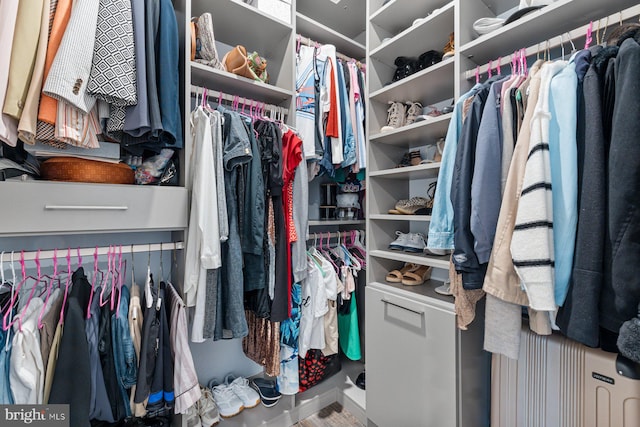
<point>532,243</point>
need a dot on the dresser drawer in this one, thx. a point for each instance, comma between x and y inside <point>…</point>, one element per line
<point>59,207</point>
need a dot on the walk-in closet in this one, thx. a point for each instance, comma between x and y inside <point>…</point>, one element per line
<point>367,213</point>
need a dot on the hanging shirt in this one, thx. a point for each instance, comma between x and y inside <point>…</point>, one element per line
<point>26,375</point>
<point>563,157</point>
<point>314,307</point>
<point>305,100</point>
<point>8,14</point>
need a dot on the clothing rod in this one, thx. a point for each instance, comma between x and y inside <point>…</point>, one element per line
<point>309,42</point>
<point>340,234</point>
<point>564,38</point>
<point>198,90</point>
<point>88,252</point>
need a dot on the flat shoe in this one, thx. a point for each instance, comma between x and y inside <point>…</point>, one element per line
<point>417,277</point>
<point>395,276</point>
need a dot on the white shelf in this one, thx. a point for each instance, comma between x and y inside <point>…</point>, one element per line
<point>550,21</point>
<point>392,217</point>
<point>212,78</point>
<point>259,31</point>
<point>322,34</point>
<point>415,133</point>
<point>335,222</point>
<point>429,170</point>
<point>431,85</point>
<point>425,292</point>
<point>348,17</point>
<point>432,260</point>
<point>430,34</point>
<point>397,15</point>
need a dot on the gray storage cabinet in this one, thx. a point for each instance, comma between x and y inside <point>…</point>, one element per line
<point>422,370</point>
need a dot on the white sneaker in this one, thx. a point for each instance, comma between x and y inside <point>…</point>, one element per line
<point>438,252</point>
<point>192,416</point>
<point>207,409</point>
<point>415,243</point>
<point>444,289</point>
<point>240,386</point>
<point>413,111</point>
<point>228,403</point>
<point>400,242</point>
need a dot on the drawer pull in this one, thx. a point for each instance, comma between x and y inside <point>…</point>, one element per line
<point>420,313</point>
<point>84,208</point>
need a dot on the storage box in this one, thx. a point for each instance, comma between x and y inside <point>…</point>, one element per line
<point>279,9</point>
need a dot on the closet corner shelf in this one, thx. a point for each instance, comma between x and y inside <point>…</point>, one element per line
<point>335,222</point>
<point>550,21</point>
<point>424,293</point>
<point>202,75</point>
<point>429,170</point>
<point>431,85</point>
<point>260,31</point>
<point>416,133</point>
<point>322,34</point>
<point>430,34</point>
<point>399,14</point>
<point>392,217</point>
<point>432,260</point>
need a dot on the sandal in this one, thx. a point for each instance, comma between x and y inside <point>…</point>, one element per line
<point>418,276</point>
<point>395,276</point>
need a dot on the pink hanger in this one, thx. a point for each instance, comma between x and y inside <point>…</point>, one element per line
<point>477,74</point>
<point>19,317</point>
<point>46,301</point>
<point>489,70</point>
<point>514,63</point>
<point>118,284</point>
<point>66,287</point>
<point>498,67</point>
<point>79,259</point>
<point>220,98</point>
<point>109,275</point>
<point>589,33</point>
<point>93,281</point>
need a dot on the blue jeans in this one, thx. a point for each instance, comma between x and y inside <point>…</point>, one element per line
<point>123,352</point>
<point>6,398</point>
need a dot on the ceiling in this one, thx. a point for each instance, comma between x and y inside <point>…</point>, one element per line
<point>347,17</point>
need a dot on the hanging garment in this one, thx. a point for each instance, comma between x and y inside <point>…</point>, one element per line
<point>23,55</point>
<point>441,225</point>
<point>300,199</point>
<point>532,242</point>
<point>48,325</point>
<point>316,368</point>
<point>288,380</point>
<point>6,339</point>
<point>52,362</point>
<point>113,68</point>
<point>349,331</point>
<point>203,241</point>
<point>69,72</point>
<point>29,115</point>
<point>262,344</point>
<point>231,321</point>
<point>8,19</point>
<point>563,158</point>
<point>313,308</point>
<point>99,406</point>
<point>26,375</point>
<point>348,136</point>
<point>152,25</point>
<point>70,385</point>
<point>185,380</point>
<point>135,328</point>
<point>125,360</point>
<point>306,101</point>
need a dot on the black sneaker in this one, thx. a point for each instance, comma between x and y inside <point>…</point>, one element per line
<point>269,395</point>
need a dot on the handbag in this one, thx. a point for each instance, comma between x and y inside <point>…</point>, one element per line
<point>251,66</point>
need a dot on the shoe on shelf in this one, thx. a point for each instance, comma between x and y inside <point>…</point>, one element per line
<point>193,416</point>
<point>413,111</point>
<point>395,116</point>
<point>360,381</point>
<point>417,277</point>
<point>415,243</point>
<point>405,161</point>
<point>440,147</point>
<point>414,158</point>
<point>240,386</point>
<point>413,206</point>
<point>429,58</point>
<point>269,395</point>
<point>399,243</point>
<point>449,49</point>
<point>436,252</point>
<point>228,403</point>
<point>395,276</point>
<point>205,51</point>
<point>444,289</point>
<point>405,66</point>
<point>207,408</point>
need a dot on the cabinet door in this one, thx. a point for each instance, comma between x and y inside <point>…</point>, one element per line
<point>411,360</point>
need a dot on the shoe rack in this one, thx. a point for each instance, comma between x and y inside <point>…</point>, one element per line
<point>435,366</point>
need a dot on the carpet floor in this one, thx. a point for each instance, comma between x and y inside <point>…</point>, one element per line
<point>333,415</point>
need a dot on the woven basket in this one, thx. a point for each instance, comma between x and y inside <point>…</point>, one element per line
<point>81,170</point>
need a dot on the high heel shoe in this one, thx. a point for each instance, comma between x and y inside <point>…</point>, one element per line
<point>417,277</point>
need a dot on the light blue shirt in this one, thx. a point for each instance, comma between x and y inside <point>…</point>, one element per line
<point>563,154</point>
<point>441,225</point>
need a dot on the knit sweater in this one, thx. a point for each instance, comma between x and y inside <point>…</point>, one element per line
<point>532,243</point>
